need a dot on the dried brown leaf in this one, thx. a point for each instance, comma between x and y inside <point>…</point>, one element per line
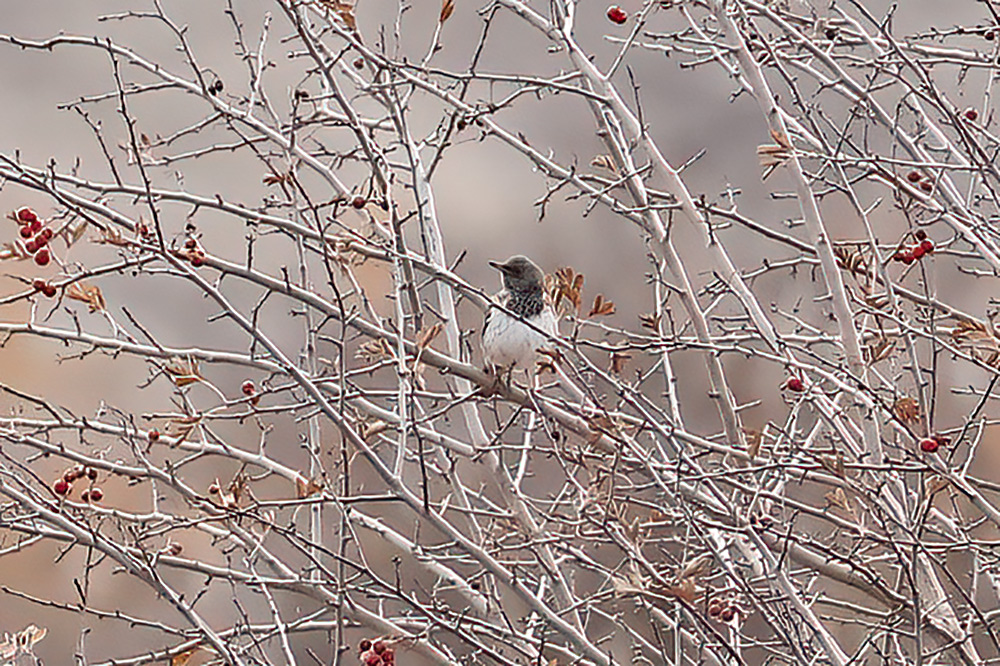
<point>977,340</point>
<point>447,8</point>
<point>755,438</point>
<point>849,257</point>
<point>605,162</point>
<point>345,10</point>
<point>618,361</point>
<point>601,307</point>
<point>837,498</point>
<point>567,284</point>
<point>835,464</point>
<point>878,350</point>
<point>697,567</point>
<point>373,351</point>
<point>275,178</point>
<point>650,320</point>
<point>183,372</point>
<point>306,488</point>
<point>87,293</point>
<point>427,335</point>
<point>907,410</point>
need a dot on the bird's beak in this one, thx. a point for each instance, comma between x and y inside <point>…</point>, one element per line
<point>497,265</point>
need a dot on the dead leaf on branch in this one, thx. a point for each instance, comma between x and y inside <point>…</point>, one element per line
<point>837,498</point>
<point>977,340</point>
<point>755,438</point>
<point>184,658</point>
<point>86,293</point>
<point>183,372</point>
<point>849,257</point>
<point>374,351</point>
<point>14,645</point>
<point>307,488</point>
<point>427,335</point>
<point>345,10</point>
<point>601,307</point>
<point>566,284</point>
<point>604,162</point>
<point>697,567</point>
<point>447,8</point>
<point>276,178</point>
<point>877,350</point>
<point>776,154</point>
<point>650,320</point>
<point>907,410</point>
<point>618,361</point>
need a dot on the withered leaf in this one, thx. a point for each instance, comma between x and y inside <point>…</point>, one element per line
<point>754,440</point>
<point>372,428</point>
<point>22,642</point>
<point>618,361</point>
<point>696,567</point>
<point>567,284</point>
<point>447,8</point>
<point>604,162</point>
<point>877,350</point>
<point>86,293</point>
<point>978,340</point>
<point>306,488</point>
<point>183,372</point>
<point>427,335</point>
<point>850,258</point>
<point>345,10</point>
<point>837,498</point>
<point>685,590</point>
<point>907,410</point>
<point>275,178</point>
<point>601,307</point>
<point>650,320</point>
<point>936,484</point>
<point>373,351</point>
<point>834,463</point>
<point>776,154</point>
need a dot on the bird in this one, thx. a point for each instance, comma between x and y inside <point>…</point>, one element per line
<point>513,336</point>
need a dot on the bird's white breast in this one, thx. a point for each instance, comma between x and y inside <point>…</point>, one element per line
<point>509,341</point>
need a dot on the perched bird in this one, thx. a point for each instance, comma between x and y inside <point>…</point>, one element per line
<point>512,341</point>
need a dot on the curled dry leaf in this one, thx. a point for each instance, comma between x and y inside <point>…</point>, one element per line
<point>776,154</point>
<point>877,350</point>
<point>427,335</point>
<point>978,340</point>
<point>837,498</point>
<point>601,307</point>
<point>447,8</point>
<point>373,351</point>
<point>604,162</point>
<point>184,658</point>
<point>697,567</point>
<point>276,178</point>
<point>835,464</point>
<point>907,410</point>
<point>345,10</point>
<point>618,361</point>
<point>849,257</point>
<point>86,293</point>
<point>650,320</point>
<point>755,438</point>
<point>566,284</point>
<point>306,488</point>
<point>183,372</point>
<point>21,643</point>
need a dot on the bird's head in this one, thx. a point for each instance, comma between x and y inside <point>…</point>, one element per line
<point>519,273</point>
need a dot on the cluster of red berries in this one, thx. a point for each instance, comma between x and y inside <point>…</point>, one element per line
<point>36,236</point>
<point>376,653</point>
<point>44,287</point>
<point>64,485</point>
<point>617,15</point>
<point>922,247</point>
<point>933,443</point>
<point>195,255</point>
<point>250,391</point>
<point>721,609</point>
<point>917,178</point>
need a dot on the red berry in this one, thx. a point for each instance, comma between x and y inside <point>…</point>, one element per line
<point>906,257</point>
<point>358,202</point>
<point>96,494</point>
<point>371,659</point>
<point>795,384</point>
<point>378,647</point>
<point>40,240</point>
<point>49,290</point>
<point>47,233</point>
<point>929,445</point>
<point>927,245</point>
<point>918,252</point>
<point>153,435</point>
<point>42,257</point>
<point>926,186</point>
<point>61,487</point>
<point>920,234</point>
<point>728,614</point>
<point>26,215</point>
<point>85,496</point>
<point>971,114</point>
<point>38,284</point>
<point>35,226</point>
<point>31,246</point>
<point>190,243</point>
<point>714,609</point>
<point>914,176</point>
<point>617,15</point>
<point>197,259</point>
<point>25,232</point>
<point>389,657</point>
<point>248,388</point>
<point>364,645</point>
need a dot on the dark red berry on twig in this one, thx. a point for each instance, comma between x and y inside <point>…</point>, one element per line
<point>971,114</point>
<point>914,176</point>
<point>928,445</point>
<point>617,15</point>
<point>61,487</point>
<point>25,215</point>
<point>42,257</point>
<point>795,384</point>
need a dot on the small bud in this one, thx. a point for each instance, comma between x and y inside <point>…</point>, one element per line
<point>927,186</point>
<point>213,489</point>
<point>197,259</point>
<point>728,614</point>
<point>920,234</point>
<point>359,63</point>
<point>190,244</point>
<point>38,284</point>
